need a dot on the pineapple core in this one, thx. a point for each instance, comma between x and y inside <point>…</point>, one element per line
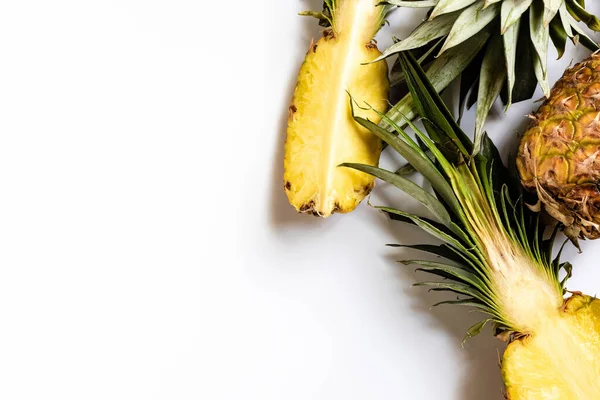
<point>555,351</point>
<point>558,341</point>
<point>321,131</point>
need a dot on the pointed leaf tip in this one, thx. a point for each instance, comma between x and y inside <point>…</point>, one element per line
<point>470,22</point>
<point>474,330</point>
<point>492,77</point>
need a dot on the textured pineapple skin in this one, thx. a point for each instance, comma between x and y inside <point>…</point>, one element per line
<point>558,155</point>
<point>561,361</point>
<point>321,133</point>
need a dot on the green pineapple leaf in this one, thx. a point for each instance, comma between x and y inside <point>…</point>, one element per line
<point>443,251</point>
<point>470,22</point>
<point>475,330</point>
<point>410,188</point>
<point>457,272</point>
<point>581,14</point>
<point>411,4</point>
<point>442,71</point>
<point>540,35</point>
<point>451,137</point>
<point>470,302</point>
<point>558,35</point>
<point>526,28</point>
<point>510,38</point>
<point>425,33</point>
<point>511,12</point>
<point>492,76</point>
<point>447,6</point>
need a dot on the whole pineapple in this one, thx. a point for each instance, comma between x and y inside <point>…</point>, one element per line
<point>558,154</point>
<point>321,133</point>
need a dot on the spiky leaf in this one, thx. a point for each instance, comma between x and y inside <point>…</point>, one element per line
<point>475,330</point>
<point>446,6</point>
<point>589,19</point>
<point>408,187</point>
<point>558,35</point>
<point>510,37</point>
<point>427,32</point>
<point>540,34</point>
<point>441,73</point>
<point>470,22</point>
<point>511,12</point>
<point>492,76</point>
<point>411,4</point>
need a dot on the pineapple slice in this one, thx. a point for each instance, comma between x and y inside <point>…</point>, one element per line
<point>321,132</point>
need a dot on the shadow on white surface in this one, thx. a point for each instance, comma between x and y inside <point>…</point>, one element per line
<point>482,379</point>
<point>283,215</point>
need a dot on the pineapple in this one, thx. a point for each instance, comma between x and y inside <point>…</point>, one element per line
<point>494,255</point>
<point>558,155</point>
<point>561,360</point>
<point>496,47</point>
<point>321,132</point>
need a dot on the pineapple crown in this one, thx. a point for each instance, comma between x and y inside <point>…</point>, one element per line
<point>328,17</point>
<point>479,40</point>
<point>476,205</point>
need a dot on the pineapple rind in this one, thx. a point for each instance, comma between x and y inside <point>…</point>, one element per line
<point>558,154</point>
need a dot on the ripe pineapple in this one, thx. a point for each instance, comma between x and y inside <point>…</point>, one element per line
<point>321,133</point>
<point>558,155</point>
<point>494,254</point>
<point>496,47</point>
<point>560,360</point>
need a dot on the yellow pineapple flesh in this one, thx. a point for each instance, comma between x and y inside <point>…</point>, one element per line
<point>561,359</point>
<point>321,132</point>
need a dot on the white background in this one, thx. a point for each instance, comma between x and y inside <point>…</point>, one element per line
<point>147,250</point>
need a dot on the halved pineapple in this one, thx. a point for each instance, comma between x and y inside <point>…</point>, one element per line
<point>561,360</point>
<point>321,132</point>
<point>495,256</point>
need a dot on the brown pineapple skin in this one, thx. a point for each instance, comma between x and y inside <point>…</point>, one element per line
<point>559,154</point>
